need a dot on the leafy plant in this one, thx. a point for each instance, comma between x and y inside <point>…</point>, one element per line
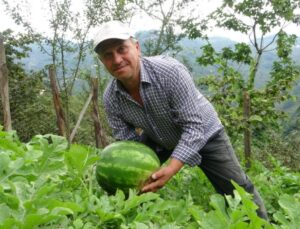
<point>43,184</point>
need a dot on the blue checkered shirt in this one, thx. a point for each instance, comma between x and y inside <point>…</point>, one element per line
<point>175,115</point>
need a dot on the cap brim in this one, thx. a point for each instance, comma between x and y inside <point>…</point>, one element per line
<point>118,36</point>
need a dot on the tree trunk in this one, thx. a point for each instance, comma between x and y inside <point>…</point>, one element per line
<point>60,117</point>
<point>4,88</point>
<point>99,132</point>
<point>247,131</point>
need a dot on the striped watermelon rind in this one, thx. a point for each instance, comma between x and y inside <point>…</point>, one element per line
<point>124,165</point>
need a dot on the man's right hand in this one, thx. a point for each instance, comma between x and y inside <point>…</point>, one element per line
<point>162,176</point>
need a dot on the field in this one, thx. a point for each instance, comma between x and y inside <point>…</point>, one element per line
<point>45,185</point>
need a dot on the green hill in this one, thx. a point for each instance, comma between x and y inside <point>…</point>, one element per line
<point>191,49</point>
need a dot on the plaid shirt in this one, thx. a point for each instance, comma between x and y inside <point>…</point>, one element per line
<point>175,115</point>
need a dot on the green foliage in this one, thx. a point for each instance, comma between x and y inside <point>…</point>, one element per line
<point>265,14</point>
<point>195,180</point>
<point>240,212</point>
<point>227,87</point>
<point>290,216</point>
<point>283,182</point>
<point>284,148</point>
<point>34,177</point>
<point>30,103</point>
<point>43,184</point>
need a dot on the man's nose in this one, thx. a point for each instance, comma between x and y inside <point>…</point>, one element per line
<point>117,58</point>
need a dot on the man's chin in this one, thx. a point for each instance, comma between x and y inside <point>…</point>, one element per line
<point>121,76</point>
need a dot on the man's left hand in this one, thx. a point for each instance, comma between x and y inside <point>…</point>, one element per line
<point>161,177</point>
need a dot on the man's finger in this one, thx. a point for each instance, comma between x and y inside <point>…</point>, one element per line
<point>158,174</point>
<point>148,187</point>
<point>152,187</point>
<point>154,176</point>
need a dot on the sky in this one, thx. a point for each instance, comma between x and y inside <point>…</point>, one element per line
<point>37,14</point>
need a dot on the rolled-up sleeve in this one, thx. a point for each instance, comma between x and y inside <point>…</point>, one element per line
<point>185,105</point>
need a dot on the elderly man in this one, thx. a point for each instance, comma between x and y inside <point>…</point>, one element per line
<point>158,95</point>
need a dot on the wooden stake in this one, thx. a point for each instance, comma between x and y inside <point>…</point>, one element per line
<point>60,117</point>
<point>99,132</point>
<point>4,90</point>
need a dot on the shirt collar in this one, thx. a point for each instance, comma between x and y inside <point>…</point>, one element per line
<point>144,74</point>
<point>144,77</point>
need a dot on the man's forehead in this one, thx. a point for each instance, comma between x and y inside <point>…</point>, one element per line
<point>110,43</point>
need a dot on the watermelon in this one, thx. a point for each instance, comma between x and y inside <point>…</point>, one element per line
<point>124,165</point>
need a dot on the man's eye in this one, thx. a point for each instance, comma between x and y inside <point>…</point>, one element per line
<point>122,49</point>
<point>107,55</point>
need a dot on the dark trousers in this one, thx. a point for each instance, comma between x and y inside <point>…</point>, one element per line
<point>220,165</point>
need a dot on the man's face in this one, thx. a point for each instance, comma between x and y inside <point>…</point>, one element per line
<point>121,58</point>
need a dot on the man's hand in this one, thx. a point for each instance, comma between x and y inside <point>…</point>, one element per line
<point>161,177</point>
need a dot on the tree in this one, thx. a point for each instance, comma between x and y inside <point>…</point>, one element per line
<point>69,31</point>
<point>257,19</point>
<point>4,92</point>
<point>29,98</point>
<point>169,15</point>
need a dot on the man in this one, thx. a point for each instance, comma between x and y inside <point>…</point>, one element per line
<point>158,95</point>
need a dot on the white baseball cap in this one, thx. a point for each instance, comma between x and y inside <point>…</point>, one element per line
<point>112,30</point>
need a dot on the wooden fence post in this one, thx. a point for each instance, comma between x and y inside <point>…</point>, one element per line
<point>60,117</point>
<point>99,132</point>
<point>4,87</point>
<point>247,131</point>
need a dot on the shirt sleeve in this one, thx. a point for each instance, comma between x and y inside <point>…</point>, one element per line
<point>121,130</point>
<point>186,108</point>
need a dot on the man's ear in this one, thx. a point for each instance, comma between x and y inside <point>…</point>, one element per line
<point>137,45</point>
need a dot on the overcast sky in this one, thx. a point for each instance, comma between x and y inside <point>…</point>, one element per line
<point>37,14</point>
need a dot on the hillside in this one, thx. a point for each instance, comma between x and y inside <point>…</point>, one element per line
<point>191,49</point>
